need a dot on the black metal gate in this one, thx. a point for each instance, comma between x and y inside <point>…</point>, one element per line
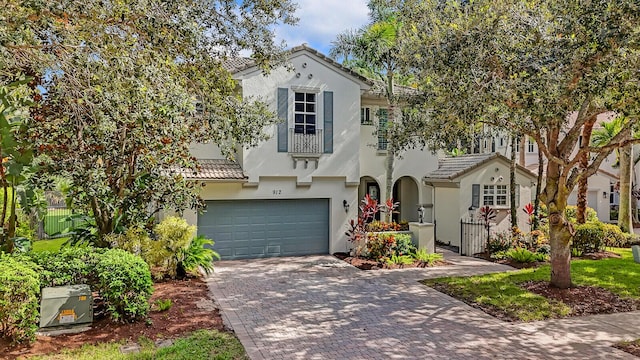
<point>473,236</point>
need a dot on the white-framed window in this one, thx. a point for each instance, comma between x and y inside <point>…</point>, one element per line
<point>304,113</point>
<point>494,195</point>
<point>501,139</point>
<point>365,116</point>
<point>530,146</point>
<point>383,117</point>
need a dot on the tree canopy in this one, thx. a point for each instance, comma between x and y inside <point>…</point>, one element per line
<point>539,68</point>
<point>121,89</point>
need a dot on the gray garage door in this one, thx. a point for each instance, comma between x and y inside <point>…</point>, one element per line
<point>244,229</point>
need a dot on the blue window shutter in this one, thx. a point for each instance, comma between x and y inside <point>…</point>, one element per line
<point>283,113</point>
<point>475,196</point>
<point>328,122</point>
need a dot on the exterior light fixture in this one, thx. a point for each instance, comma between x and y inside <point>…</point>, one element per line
<point>604,194</point>
<point>345,204</point>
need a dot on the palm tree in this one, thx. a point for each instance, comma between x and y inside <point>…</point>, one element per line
<point>372,51</point>
<point>624,158</point>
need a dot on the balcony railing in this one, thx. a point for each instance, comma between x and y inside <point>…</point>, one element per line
<point>306,143</point>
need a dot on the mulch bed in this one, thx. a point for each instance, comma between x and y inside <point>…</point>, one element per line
<point>632,347</point>
<point>599,255</point>
<point>367,264</point>
<point>584,300</point>
<point>192,310</point>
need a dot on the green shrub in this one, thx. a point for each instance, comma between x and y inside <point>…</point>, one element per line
<point>423,256</point>
<point>499,242</point>
<point>400,260</point>
<point>199,254</point>
<point>71,265</point>
<point>403,245</point>
<point>174,236</point>
<point>522,255</point>
<point>544,249</point>
<point>124,282</point>
<point>571,210</point>
<point>613,236</point>
<point>631,239</point>
<point>161,305</point>
<point>589,238</point>
<point>379,245</point>
<point>19,293</point>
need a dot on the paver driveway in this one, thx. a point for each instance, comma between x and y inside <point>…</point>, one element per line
<point>321,308</point>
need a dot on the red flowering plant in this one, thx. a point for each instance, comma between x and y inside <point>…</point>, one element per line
<point>358,228</point>
<point>357,231</point>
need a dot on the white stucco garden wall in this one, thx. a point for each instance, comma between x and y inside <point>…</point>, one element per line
<point>452,203</point>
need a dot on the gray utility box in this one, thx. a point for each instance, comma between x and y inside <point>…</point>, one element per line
<point>66,305</point>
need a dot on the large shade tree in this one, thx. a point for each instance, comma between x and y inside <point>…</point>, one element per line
<point>123,87</point>
<point>540,68</point>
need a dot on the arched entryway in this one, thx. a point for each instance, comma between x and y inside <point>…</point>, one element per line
<point>368,185</point>
<point>405,191</point>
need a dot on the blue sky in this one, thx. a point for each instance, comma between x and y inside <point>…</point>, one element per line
<point>321,20</point>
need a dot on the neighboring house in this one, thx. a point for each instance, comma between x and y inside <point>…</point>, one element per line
<point>603,192</point>
<point>465,183</point>
<point>295,193</point>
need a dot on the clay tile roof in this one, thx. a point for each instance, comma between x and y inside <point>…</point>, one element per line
<point>234,65</point>
<point>379,89</point>
<point>216,169</point>
<point>450,168</point>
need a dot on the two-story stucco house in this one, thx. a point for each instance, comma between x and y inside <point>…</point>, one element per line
<point>295,193</point>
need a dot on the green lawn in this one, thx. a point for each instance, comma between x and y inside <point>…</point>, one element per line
<point>52,245</point>
<point>201,345</point>
<point>620,276</point>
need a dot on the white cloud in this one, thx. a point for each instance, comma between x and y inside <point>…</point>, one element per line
<point>321,20</point>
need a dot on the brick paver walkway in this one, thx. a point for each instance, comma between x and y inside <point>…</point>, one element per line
<point>321,308</point>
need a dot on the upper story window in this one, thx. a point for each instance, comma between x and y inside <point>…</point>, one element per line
<point>494,195</point>
<point>530,145</point>
<point>304,113</point>
<point>501,139</point>
<point>365,116</point>
<point>383,117</point>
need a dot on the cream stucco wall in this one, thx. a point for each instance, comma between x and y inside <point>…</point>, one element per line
<point>598,184</point>
<point>272,174</point>
<point>453,203</point>
<point>447,214</point>
<point>413,164</point>
<point>315,76</point>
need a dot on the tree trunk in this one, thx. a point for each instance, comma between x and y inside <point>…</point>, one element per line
<point>560,231</point>
<point>583,184</point>
<point>560,240</point>
<point>390,142</point>
<point>521,146</point>
<point>624,215</point>
<point>512,184</point>
<point>536,202</point>
<point>389,179</point>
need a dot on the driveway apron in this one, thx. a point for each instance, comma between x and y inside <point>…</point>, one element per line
<point>318,307</point>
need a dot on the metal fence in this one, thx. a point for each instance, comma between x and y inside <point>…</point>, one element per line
<point>310,143</point>
<point>473,236</point>
<point>56,220</point>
